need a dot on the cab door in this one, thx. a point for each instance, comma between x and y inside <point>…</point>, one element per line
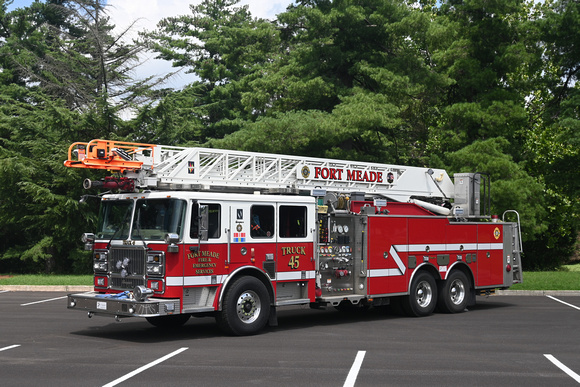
<point>252,233</point>
<point>295,252</point>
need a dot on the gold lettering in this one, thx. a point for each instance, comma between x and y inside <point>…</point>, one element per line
<point>300,250</point>
<point>203,255</point>
<point>204,265</point>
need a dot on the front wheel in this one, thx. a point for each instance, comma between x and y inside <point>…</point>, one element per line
<point>454,293</point>
<point>422,297</point>
<point>245,308</point>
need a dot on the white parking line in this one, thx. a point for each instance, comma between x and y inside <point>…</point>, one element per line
<point>139,370</point>
<point>565,303</point>
<point>353,373</point>
<point>9,347</point>
<point>38,302</point>
<point>561,366</point>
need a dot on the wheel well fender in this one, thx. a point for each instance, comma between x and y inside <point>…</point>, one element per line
<point>246,271</point>
<point>424,267</point>
<point>462,266</point>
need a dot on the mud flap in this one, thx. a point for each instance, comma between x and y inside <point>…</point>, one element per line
<point>273,318</point>
<point>471,301</point>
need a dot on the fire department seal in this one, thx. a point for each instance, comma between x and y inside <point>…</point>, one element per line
<point>496,233</point>
<point>305,172</point>
<point>239,228</point>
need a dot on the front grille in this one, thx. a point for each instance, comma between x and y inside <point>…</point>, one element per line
<point>127,267</point>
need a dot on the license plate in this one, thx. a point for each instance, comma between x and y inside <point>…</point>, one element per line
<point>101,305</point>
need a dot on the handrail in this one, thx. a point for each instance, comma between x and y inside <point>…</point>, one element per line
<point>519,226</point>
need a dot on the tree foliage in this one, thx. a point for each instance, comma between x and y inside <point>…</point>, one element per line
<point>466,85</point>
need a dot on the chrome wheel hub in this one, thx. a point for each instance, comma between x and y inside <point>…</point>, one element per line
<point>457,292</point>
<point>248,307</point>
<point>424,294</point>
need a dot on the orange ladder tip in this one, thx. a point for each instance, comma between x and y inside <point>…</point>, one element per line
<point>110,155</point>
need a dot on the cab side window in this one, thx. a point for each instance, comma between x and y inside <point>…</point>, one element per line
<point>214,229</point>
<point>262,221</point>
<point>292,222</point>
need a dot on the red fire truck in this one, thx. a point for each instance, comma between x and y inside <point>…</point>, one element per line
<point>196,231</point>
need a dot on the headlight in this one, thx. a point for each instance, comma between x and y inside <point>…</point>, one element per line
<point>100,266</point>
<point>155,263</point>
<point>153,269</point>
<point>100,260</point>
<point>155,257</point>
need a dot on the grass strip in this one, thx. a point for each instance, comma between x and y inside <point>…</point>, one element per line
<point>46,280</point>
<point>549,280</point>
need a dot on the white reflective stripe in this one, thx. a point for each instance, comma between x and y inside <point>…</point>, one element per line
<point>174,281</point>
<point>457,246</point>
<point>433,248</point>
<point>293,275</point>
<point>397,259</point>
<point>207,279</point>
<point>490,246</point>
<point>194,280</point>
<point>420,248</point>
<point>374,273</point>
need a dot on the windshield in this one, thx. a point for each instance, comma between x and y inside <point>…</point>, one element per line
<point>114,219</point>
<point>154,218</point>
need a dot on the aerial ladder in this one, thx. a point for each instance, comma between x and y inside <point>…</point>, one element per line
<point>147,166</point>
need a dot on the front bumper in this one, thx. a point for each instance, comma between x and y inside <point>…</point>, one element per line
<point>126,306</point>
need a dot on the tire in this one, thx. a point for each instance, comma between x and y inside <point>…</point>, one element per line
<point>454,293</point>
<point>245,307</point>
<point>422,298</point>
<point>172,321</point>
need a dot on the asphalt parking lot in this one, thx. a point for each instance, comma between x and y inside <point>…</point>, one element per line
<point>503,341</point>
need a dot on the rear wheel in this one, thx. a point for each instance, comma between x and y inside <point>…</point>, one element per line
<point>422,297</point>
<point>245,308</point>
<point>172,321</point>
<point>454,293</point>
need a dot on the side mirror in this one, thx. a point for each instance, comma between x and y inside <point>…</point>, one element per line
<point>203,222</point>
<point>171,239</point>
<point>88,239</point>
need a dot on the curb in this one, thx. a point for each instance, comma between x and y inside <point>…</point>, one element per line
<point>81,288</point>
<point>40,288</point>
<point>559,293</point>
